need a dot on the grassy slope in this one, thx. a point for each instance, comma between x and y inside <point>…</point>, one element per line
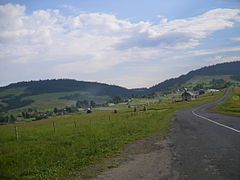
<point>207,79</point>
<point>204,79</point>
<point>47,101</point>
<point>41,153</point>
<point>232,104</point>
<point>15,91</point>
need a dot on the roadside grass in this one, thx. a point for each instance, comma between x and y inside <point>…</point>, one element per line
<point>231,105</point>
<point>57,147</point>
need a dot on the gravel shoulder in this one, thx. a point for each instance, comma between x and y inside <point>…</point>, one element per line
<point>149,158</point>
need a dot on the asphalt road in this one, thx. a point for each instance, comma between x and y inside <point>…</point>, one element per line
<point>206,144</point>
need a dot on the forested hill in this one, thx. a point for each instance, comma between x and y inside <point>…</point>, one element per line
<point>231,68</point>
<point>100,89</point>
<point>67,85</point>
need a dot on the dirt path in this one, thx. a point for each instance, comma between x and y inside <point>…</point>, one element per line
<point>149,158</point>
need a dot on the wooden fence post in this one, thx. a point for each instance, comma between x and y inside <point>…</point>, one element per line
<point>54,127</point>
<point>16,132</point>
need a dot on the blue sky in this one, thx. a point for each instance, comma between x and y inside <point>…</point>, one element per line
<point>128,43</point>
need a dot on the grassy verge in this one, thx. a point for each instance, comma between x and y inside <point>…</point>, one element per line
<point>56,147</point>
<point>231,105</point>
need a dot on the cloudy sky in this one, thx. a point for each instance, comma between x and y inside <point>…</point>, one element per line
<point>128,43</point>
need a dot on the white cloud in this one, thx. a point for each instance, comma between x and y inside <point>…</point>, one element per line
<point>183,33</point>
<point>203,52</point>
<point>235,39</point>
<point>214,51</point>
<point>70,8</point>
<point>92,42</point>
<point>222,59</point>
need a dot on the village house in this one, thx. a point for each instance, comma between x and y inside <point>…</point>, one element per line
<point>110,104</point>
<point>201,91</point>
<point>20,118</point>
<point>188,96</point>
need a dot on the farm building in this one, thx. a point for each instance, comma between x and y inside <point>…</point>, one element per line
<point>188,96</point>
<point>212,90</point>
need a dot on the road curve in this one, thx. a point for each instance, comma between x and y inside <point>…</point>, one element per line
<point>206,144</point>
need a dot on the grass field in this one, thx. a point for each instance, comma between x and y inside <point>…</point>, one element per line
<point>57,147</point>
<point>141,102</point>
<point>48,101</point>
<point>232,104</point>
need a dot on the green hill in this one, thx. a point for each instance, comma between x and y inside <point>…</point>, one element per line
<point>47,94</point>
<point>209,77</point>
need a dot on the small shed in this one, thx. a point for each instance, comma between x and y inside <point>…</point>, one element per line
<point>187,96</point>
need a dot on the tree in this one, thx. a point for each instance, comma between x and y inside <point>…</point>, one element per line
<point>55,110</point>
<point>81,104</point>
<point>198,87</point>
<point>144,108</point>
<point>12,119</point>
<point>92,104</point>
<point>23,114</point>
<point>117,99</point>
<point>27,115</point>
<point>3,118</point>
<point>30,110</point>
<point>78,104</point>
<point>6,119</point>
<point>219,83</point>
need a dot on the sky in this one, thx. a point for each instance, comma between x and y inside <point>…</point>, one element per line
<point>128,43</point>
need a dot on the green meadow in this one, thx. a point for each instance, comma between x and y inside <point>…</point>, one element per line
<point>48,101</point>
<point>232,104</point>
<point>57,147</point>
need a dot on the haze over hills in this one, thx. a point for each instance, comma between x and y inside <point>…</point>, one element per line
<point>64,92</point>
